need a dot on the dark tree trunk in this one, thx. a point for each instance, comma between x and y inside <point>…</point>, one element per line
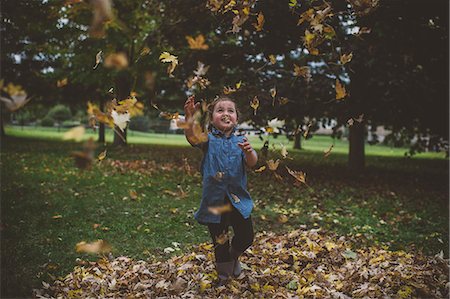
<point>356,159</point>
<point>298,141</point>
<point>123,89</point>
<point>101,127</point>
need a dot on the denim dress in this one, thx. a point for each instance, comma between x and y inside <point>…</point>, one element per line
<point>223,176</point>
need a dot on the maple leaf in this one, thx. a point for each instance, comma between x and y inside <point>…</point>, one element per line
<point>166,57</point>
<point>201,69</point>
<point>102,156</point>
<point>197,43</point>
<point>273,165</point>
<point>363,7</point>
<point>75,133</point>
<point>340,90</point>
<point>17,101</point>
<point>62,82</point>
<point>272,59</point>
<point>120,119</point>
<point>254,104</point>
<point>260,22</point>
<point>306,16</point>
<point>300,176</point>
<point>118,61</point>
<point>303,71</point>
<point>284,151</point>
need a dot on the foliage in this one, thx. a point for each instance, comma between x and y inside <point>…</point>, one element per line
<point>47,121</point>
<point>60,113</point>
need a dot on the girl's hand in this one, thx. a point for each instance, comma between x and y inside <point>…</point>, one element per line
<point>190,108</point>
<point>245,146</point>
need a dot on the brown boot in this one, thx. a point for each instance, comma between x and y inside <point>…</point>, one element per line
<point>224,272</point>
<point>237,269</point>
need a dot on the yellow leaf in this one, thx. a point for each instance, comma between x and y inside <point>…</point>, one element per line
<point>197,43</point>
<point>62,82</point>
<point>272,59</point>
<point>99,246</point>
<point>145,51</point>
<point>340,90</point>
<point>260,22</point>
<point>74,133</point>
<point>304,71</point>
<point>261,169</point>
<point>330,245</point>
<point>283,218</point>
<point>346,58</point>
<point>298,175</point>
<point>102,156</point>
<point>117,61</point>
<point>166,57</point>
<point>273,165</point>
<point>219,210</point>
<point>254,104</point>
<point>133,194</point>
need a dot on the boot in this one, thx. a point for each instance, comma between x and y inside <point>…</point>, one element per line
<point>237,269</point>
<point>224,272</point>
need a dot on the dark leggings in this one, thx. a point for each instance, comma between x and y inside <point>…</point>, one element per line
<point>242,239</point>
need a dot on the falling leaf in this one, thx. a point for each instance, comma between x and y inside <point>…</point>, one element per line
<point>57,217</point>
<point>111,90</point>
<point>328,151</point>
<point>197,43</point>
<point>306,16</point>
<point>235,197</point>
<point>222,238</point>
<point>283,101</point>
<point>261,169</point>
<point>363,7</point>
<point>360,118</point>
<point>62,82</point>
<point>283,218</point>
<point>340,90</point>
<point>273,165</point>
<point>102,13</point>
<point>305,134</point>
<point>18,97</point>
<point>145,51</point>
<point>201,69</point>
<point>298,175</point>
<point>166,57</point>
<point>219,176</point>
<point>350,122</point>
<point>133,194</point>
<point>254,104</point>
<point>97,247</point>
<point>292,3</point>
<point>284,151</point>
<point>260,22</point>
<point>120,120</point>
<point>219,210</point>
<point>303,71</point>
<point>130,105</point>
<point>273,92</point>
<point>98,59</point>
<point>118,61</point>
<point>346,58</point>
<point>272,59</point>
<point>75,133</point>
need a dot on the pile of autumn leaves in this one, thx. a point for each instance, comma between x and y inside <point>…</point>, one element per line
<point>301,264</point>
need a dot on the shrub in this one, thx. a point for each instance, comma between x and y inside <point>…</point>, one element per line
<point>47,122</point>
<point>140,123</point>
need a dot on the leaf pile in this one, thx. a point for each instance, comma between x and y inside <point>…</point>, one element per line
<point>300,264</point>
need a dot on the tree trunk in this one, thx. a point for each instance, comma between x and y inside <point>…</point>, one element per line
<point>356,159</point>
<point>123,89</point>
<point>298,141</point>
<point>2,128</point>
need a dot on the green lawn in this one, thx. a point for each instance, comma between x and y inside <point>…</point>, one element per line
<point>399,202</point>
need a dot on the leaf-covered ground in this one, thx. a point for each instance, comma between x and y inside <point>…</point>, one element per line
<point>299,264</point>
<point>141,200</point>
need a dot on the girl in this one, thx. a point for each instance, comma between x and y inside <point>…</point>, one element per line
<point>224,184</point>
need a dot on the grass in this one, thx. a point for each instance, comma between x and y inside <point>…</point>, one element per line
<point>398,203</point>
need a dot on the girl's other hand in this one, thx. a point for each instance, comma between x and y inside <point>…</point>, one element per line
<point>245,146</point>
<point>190,107</point>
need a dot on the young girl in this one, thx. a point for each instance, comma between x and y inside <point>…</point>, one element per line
<point>224,184</point>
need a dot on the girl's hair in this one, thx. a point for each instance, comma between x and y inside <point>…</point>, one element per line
<point>217,100</point>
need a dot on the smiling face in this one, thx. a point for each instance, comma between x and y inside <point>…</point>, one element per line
<point>224,116</point>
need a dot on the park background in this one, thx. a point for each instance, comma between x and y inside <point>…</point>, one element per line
<point>351,97</point>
